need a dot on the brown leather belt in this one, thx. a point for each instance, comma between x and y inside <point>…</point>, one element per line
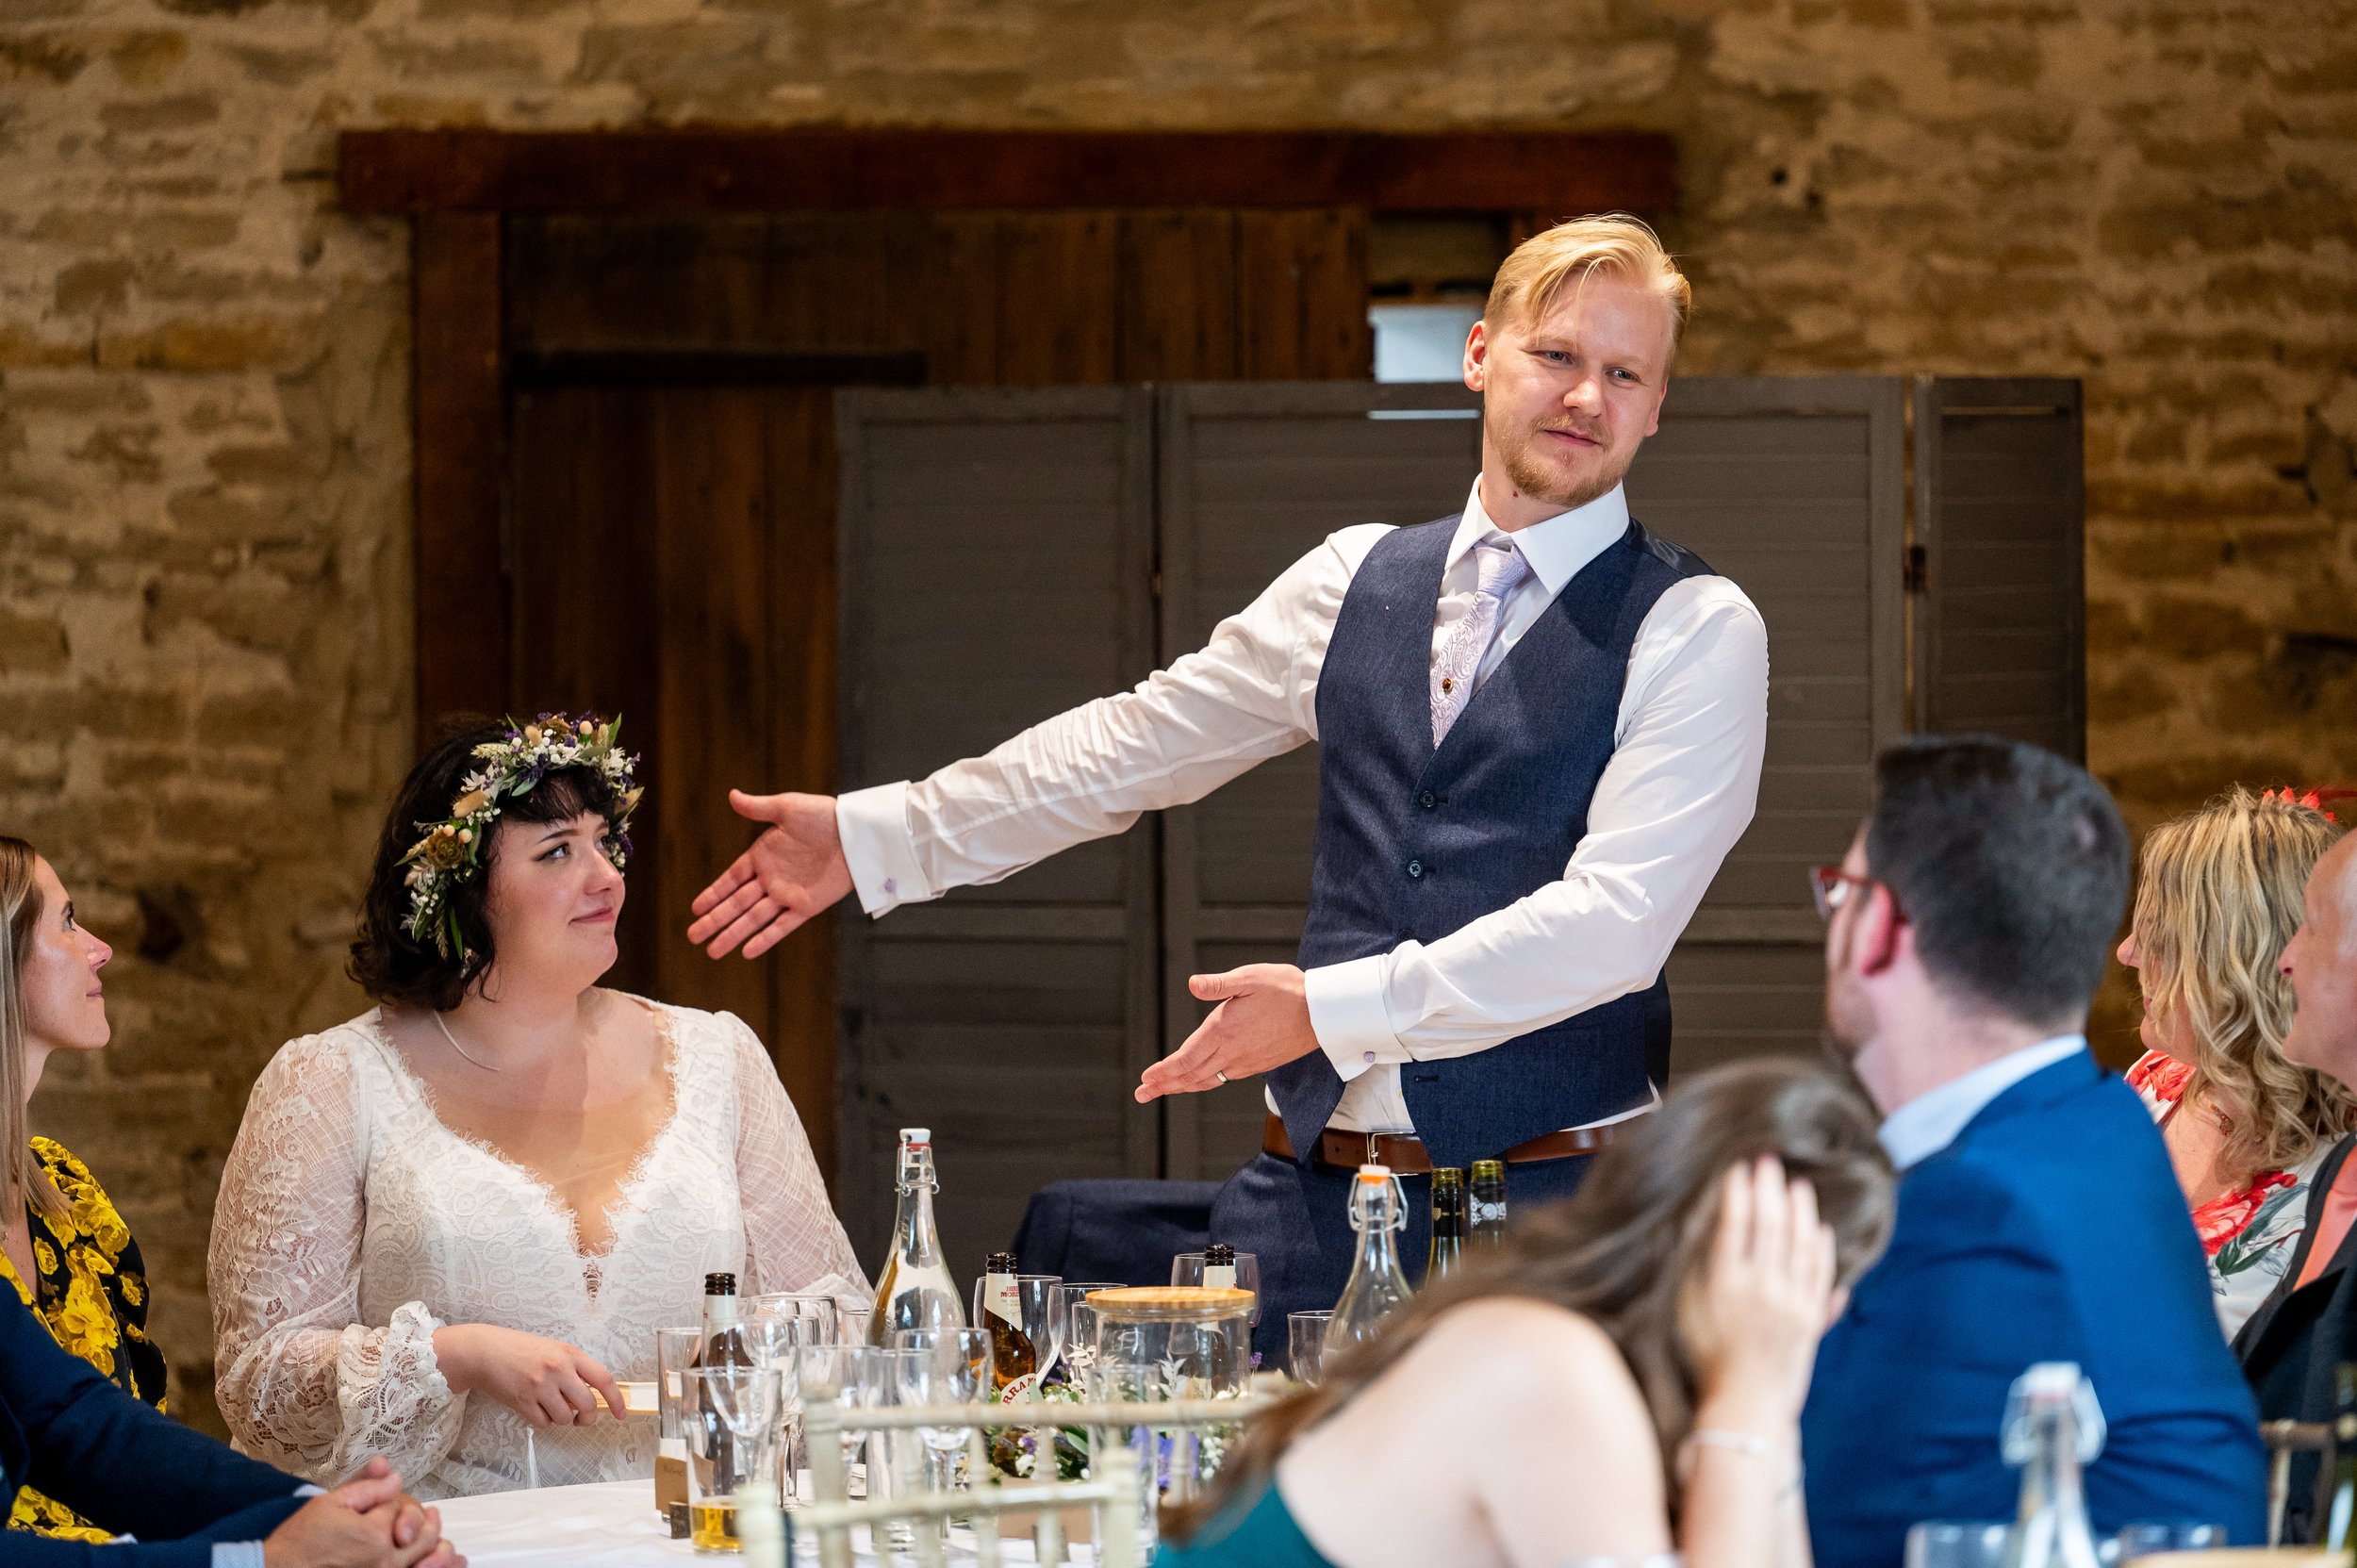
<point>1406,1155</point>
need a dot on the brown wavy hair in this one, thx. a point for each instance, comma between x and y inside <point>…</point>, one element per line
<point>386,962</point>
<point>1627,1249</point>
<point>21,909</point>
<point>2220,900</point>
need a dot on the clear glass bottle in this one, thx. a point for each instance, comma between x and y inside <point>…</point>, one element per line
<point>1448,1226</point>
<point>2053,1429</point>
<point>915,1290</point>
<point>1486,1223</point>
<point>1377,1284</point>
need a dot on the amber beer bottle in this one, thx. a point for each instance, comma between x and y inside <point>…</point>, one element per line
<point>1488,1226</point>
<point>1013,1359</point>
<point>1448,1226</point>
<point>712,1522</point>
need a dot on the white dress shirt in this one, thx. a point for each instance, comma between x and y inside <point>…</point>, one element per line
<point>1675,795</point>
<point>1930,1122</point>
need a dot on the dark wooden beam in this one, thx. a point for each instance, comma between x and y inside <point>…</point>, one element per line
<point>460,455</point>
<point>628,366</point>
<point>1548,173</point>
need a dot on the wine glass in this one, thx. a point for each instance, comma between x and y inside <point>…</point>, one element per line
<point>943,1366</point>
<point>1039,1302</point>
<point>1187,1270</point>
<point>855,1377</point>
<point>823,1309</point>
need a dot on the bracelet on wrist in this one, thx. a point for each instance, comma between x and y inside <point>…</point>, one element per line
<point>1751,1444</point>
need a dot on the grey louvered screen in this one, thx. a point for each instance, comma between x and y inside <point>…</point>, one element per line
<point>1251,478</point>
<point>2000,631</point>
<point>997,559</point>
<point>1792,487</point>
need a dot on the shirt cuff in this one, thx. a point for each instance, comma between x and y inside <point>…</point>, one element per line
<point>238,1554</point>
<point>874,827</point>
<point>1348,1015</point>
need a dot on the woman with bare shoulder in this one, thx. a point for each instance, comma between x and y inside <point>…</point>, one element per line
<point>1623,1382</point>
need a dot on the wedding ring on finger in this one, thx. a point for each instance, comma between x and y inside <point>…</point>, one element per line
<point>1221,1076</point>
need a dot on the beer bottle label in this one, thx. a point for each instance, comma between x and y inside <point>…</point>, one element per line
<point>1003,1301</point>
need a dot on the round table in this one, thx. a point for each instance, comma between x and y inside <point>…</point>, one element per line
<point>613,1525</point>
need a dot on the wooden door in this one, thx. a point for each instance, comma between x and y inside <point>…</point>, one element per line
<point>670,518</point>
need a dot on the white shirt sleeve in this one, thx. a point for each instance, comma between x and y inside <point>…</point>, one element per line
<point>1248,694</point>
<point>1678,792</point>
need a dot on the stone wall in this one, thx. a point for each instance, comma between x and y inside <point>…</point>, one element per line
<point>204,481</point>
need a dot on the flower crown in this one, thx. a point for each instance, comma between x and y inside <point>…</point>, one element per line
<point>2315,800</point>
<point>451,850</point>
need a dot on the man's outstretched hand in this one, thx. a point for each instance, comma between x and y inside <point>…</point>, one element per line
<point>1262,1021</point>
<point>794,869</point>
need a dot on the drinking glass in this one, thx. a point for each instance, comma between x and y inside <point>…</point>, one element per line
<point>1079,1330</point>
<point>943,1366</point>
<point>1187,1270</point>
<point>772,1337</point>
<point>773,1341</point>
<point>796,1304</point>
<point>730,1417</point>
<point>1040,1311</point>
<point>1951,1543</point>
<point>2135,1541</point>
<point>1305,1345</point>
<point>852,1326</point>
<point>674,1352</point>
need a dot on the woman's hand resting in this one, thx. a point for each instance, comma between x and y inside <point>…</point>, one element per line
<point>1764,1301</point>
<point>546,1381</point>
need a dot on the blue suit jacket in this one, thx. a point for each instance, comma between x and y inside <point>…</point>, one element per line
<point>120,1464</point>
<point>2051,1230</point>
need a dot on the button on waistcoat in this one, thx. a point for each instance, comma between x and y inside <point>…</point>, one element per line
<point>1414,841</point>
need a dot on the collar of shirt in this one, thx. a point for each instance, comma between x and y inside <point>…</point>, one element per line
<point>1555,549</point>
<point>1930,1122</point>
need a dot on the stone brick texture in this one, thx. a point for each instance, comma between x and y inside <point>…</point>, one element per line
<point>203,377</point>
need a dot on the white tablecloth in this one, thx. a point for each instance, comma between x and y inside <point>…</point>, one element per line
<point>613,1525</point>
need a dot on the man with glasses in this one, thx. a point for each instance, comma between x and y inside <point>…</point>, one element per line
<point>2038,1218</point>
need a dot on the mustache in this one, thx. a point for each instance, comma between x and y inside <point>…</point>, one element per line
<point>1574,427</point>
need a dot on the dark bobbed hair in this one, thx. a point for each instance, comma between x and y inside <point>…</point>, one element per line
<point>2012,865</point>
<point>386,962</point>
<point>1626,1248</point>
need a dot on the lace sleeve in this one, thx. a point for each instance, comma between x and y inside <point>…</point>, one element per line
<point>301,1381</point>
<point>793,1241</point>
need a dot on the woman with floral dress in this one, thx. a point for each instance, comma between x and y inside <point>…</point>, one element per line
<point>68,1256</point>
<point>2245,1129</point>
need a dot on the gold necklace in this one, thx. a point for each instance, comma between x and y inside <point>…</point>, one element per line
<point>459,1049</point>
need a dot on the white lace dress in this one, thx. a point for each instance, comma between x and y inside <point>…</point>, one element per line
<point>353,1223</point>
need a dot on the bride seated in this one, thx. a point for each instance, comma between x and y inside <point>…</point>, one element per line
<point>467,1211</point>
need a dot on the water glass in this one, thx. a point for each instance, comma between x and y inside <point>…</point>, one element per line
<point>943,1366</point>
<point>852,1327</point>
<point>1187,1270</point>
<point>771,1338</point>
<point>1952,1543</point>
<point>1079,1330</point>
<point>2135,1541</point>
<point>674,1352</point>
<point>1040,1312</point>
<point>1305,1345</point>
<point>824,1309</point>
<point>730,1418</point>
<point>857,1377</point>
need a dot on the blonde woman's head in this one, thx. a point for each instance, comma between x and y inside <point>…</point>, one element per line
<point>2219,899</point>
<point>50,1000</point>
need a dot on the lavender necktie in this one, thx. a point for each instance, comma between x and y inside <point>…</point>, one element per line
<point>1455,672</point>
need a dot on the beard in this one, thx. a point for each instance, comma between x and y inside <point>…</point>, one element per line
<point>1532,476</point>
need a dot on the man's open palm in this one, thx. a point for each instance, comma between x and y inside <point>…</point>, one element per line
<point>794,869</point>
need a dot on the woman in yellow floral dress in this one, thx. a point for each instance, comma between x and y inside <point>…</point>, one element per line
<point>68,1254</point>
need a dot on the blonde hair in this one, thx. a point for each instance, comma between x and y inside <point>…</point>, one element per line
<point>20,913</point>
<point>2220,900</point>
<point>1530,280</point>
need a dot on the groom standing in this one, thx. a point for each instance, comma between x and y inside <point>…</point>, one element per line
<point>1541,728</point>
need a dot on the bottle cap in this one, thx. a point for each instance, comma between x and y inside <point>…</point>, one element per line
<point>1000,1262</point>
<point>916,1134</point>
<point>719,1285</point>
<point>1374,1173</point>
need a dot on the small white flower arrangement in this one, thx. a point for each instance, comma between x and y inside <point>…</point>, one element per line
<point>451,850</point>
